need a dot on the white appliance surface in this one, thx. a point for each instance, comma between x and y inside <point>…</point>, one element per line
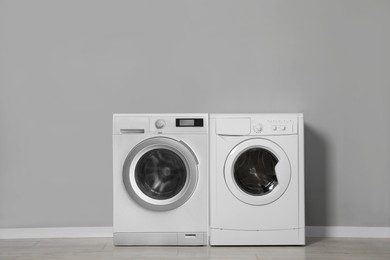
<point>160,179</point>
<point>256,179</point>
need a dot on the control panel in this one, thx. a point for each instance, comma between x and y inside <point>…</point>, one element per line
<point>160,123</point>
<point>180,124</point>
<point>273,126</point>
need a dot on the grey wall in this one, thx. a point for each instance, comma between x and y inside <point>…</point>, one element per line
<point>66,66</point>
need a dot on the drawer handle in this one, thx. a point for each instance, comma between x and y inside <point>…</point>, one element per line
<point>132,131</point>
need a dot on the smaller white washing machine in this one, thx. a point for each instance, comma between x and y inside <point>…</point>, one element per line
<point>160,179</point>
<point>257,179</point>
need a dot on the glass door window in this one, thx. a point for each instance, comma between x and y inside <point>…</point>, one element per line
<point>254,171</point>
<point>160,174</point>
<point>257,171</point>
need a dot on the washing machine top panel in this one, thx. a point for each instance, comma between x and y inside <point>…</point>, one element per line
<point>160,123</point>
<point>256,124</point>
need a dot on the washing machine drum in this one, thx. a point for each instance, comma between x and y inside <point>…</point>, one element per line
<point>254,171</point>
<point>257,171</point>
<point>160,173</point>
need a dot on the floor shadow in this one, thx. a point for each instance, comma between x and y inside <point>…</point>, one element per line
<point>316,179</point>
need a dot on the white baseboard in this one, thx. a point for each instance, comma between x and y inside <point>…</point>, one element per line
<point>61,232</point>
<point>79,232</point>
<point>339,231</point>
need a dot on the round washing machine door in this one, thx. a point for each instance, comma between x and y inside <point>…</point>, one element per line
<point>160,173</point>
<point>257,171</point>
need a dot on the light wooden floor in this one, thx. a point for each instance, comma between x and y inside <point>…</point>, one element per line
<point>102,248</point>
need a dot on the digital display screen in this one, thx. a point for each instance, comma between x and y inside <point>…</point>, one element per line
<point>189,122</point>
<point>186,122</point>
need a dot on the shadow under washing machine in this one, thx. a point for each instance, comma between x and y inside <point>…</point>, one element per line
<point>256,179</point>
<point>160,179</point>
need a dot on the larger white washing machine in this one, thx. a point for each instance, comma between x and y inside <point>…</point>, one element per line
<point>257,179</point>
<point>160,167</point>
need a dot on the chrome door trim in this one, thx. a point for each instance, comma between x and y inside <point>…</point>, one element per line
<point>183,151</point>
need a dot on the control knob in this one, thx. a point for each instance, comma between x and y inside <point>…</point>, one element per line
<point>258,128</point>
<point>159,124</point>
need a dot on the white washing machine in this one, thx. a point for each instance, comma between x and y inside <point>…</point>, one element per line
<point>257,179</point>
<point>160,167</point>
